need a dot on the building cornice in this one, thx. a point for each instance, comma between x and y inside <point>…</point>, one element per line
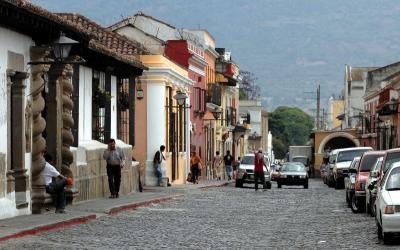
<point>156,74</point>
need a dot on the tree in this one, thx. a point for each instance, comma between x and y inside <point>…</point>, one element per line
<point>248,89</point>
<point>290,126</point>
<point>279,148</point>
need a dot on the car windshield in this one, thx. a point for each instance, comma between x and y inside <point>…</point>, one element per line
<point>368,161</point>
<point>393,181</point>
<point>248,160</point>
<point>349,155</point>
<point>300,159</point>
<point>292,168</point>
<point>390,159</point>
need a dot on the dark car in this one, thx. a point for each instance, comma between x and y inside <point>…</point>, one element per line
<point>350,180</point>
<point>292,174</point>
<point>391,156</point>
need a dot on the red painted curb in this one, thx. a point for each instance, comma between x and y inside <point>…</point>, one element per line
<point>50,227</point>
<point>117,210</point>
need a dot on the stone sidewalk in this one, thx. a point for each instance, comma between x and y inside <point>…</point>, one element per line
<point>83,212</point>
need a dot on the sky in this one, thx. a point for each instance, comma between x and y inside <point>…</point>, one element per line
<point>292,46</point>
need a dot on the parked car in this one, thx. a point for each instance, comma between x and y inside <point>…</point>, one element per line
<point>391,156</point>
<point>387,204</point>
<point>371,187</point>
<point>350,180</point>
<point>367,161</point>
<point>292,174</point>
<point>340,160</point>
<point>245,173</point>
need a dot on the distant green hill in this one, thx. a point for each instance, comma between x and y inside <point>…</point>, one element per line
<point>291,45</point>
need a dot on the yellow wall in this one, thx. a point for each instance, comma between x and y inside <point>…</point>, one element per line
<point>337,107</point>
<point>159,61</point>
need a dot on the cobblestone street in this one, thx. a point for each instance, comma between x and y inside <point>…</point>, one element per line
<point>225,218</point>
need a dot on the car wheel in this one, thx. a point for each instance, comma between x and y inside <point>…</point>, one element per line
<point>239,184</point>
<point>387,237</point>
<point>337,184</point>
<point>354,205</point>
<point>279,185</point>
<point>379,230</point>
<point>373,209</point>
<point>368,206</point>
<point>306,185</point>
<point>269,185</point>
<point>347,198</point>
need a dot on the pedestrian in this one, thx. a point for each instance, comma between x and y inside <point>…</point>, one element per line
<point>158,158</point>
<point>217,162</point>
<point>195,167</point>
<point>236,165</point>
<point>55,184</point>
<point>259,164</point>
<point>228,159</point>
<point>115,159</point>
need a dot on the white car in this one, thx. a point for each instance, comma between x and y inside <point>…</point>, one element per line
<point>387,204</point>
<point>245,172</point>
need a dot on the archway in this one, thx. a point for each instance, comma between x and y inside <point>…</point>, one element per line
<point>338,140</point>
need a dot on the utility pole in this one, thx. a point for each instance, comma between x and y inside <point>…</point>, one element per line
<point>318,106</point>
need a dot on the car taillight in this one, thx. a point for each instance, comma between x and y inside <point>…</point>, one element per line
<point>389,209</point>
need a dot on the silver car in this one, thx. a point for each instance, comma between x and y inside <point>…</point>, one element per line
<point>292,173</point>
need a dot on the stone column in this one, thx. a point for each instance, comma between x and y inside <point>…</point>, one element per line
<point>9,173</point>
<point>38,71</point>
<point>18,138</point>
<point>62,120</point>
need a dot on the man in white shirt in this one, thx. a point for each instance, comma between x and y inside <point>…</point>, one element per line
<point>54,186</point>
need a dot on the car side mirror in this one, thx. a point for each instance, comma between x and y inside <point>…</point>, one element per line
<point>353,170</point>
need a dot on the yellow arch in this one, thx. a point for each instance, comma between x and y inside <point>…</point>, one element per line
<point>334,135</point>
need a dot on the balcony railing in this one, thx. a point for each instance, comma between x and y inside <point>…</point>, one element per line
<point>214,94</point>
<point>230,117</point>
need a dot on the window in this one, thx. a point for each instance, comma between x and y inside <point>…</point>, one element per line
<point>123,110</point>
<point>99,106</point>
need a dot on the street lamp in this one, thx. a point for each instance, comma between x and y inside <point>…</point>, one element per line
<point>217,113</point>
<point>62,46</point>
<point>180,97</point>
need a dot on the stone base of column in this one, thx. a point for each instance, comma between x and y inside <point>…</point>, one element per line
<point>71,193</point>
<point>38,198</point>
<point>150,174</point>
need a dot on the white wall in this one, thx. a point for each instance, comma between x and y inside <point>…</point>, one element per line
<point>85,104</point>
<point>17,43</point>
<point>114,107</point>
<point>20,44</point>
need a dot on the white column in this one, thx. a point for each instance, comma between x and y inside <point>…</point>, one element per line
<point>187,127</point>
<point>114,107</point>
<point>155,127</point>
<point>85,104</point>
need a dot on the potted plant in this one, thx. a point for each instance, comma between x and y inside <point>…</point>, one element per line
<point>123,101</point>
<point>101,97</point>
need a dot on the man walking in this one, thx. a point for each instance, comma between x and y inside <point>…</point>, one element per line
<point>158,158</point>
<point>115,159</point>
<point>228,159</point>
<point>259,164</point>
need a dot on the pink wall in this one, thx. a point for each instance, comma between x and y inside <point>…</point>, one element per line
<point>140,148</point>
